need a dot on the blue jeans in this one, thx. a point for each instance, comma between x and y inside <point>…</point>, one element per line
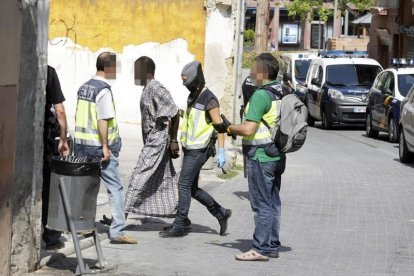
<point>112,181</point>
<point>188,187</point>
<point>264,186</point>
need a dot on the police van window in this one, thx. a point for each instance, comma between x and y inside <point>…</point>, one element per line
<point>301,68</point>
<point>404,83</point>
<point>320,74</point>
<point>380,81</point>
<point>351,74</point>
<point>389,82</point>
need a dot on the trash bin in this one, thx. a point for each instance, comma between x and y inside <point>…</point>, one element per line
<point>81,178</point>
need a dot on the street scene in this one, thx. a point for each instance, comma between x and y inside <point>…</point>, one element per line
<point>346,210</point>
<point>207,137</point>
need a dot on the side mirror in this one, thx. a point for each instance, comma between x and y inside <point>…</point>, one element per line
<point>287,77</point>
<point>386,91</point>
<point>315,81</point>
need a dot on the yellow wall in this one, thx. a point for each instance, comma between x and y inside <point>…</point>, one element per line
<point>102,23</point>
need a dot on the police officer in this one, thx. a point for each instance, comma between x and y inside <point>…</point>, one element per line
<point>97,136</point>
<point>265,164</point>
<point>198,139</point>
<point>55,126</point>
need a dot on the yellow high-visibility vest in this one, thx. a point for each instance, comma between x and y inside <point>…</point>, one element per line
<point>263,136</point>
<point>195,131</point>
<point>86,118</point>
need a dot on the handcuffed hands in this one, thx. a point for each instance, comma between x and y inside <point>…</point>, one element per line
<point>174,149</point>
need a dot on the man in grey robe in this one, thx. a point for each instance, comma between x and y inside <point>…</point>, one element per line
<point>152,187</point>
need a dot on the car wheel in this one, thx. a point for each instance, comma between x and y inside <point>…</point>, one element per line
<point>392,131</point>
<point>405,155</point>
<point>372,133</point>
<point>311,120</point>
<point>325,122</point>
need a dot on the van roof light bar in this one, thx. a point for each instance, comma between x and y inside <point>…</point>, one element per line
<point>338,53</point>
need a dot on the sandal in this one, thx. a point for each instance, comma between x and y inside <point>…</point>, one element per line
<point>252,256</point>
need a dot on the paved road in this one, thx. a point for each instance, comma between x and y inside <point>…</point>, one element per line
<point>347,209</point>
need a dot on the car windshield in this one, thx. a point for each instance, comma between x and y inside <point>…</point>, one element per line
<point>404,83</point>
<point>301,68</point>
<point>351,74</point>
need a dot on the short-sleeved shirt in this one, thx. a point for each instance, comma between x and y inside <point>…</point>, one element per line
<point>104,102</point>
<point>260,103</point>
<point>54,94</point>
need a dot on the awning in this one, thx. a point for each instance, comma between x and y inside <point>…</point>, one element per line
<point>363,20</point>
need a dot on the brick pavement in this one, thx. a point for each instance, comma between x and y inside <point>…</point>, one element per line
<point>346,210</point>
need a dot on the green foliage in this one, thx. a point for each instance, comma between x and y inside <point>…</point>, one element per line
<point>248,58</point>
<point>248,35</point>
<point>302,7</point>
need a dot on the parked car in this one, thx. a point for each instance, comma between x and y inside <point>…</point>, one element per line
<point>337,85</point>
<point>406,128</point>
<point>293,70</point>
<point>384,101</point>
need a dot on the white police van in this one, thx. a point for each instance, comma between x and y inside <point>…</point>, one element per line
<point>337,86</point>
<point>293,68</point>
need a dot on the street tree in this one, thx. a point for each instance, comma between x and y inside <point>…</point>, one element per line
<point>262,25</point>
<point>304,7</point>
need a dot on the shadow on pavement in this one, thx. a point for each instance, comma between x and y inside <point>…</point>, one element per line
<point>405,164</point>
<point>156,225</point>
<point>71,263</point>
<point>344,127</point>
<point>242,195</point>
<point>245,245</point>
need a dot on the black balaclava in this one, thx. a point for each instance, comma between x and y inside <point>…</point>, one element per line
<point>195,80</point>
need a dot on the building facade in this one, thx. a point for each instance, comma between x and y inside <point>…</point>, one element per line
<point>392,30</point>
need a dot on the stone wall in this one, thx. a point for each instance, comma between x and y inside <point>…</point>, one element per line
<point>24,84</point>
<point>204,32</point>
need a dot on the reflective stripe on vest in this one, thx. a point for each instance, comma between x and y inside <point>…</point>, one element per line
<point>195,132</point>
<point>263,136</point>
<point>86,125</point>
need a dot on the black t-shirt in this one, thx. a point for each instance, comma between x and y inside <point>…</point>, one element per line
<point>54,95</point>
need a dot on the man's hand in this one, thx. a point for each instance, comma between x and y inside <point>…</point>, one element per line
<point>106,152</point>
<point>63,147</point>
<point>228,124</point>
<point>174,149</point>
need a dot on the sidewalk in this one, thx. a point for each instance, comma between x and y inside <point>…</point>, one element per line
<point>56,262</point>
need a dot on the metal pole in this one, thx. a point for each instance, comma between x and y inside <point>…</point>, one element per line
<point>82,266</point>
<point>319,35</point>
<point>238,55</point>
<point>346,22</point>
<point>102,262</point>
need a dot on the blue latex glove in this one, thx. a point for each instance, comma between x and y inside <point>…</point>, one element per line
<point>221,158</point>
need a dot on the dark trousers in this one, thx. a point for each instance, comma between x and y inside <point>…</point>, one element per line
<point>49,236</point>
<point>188,187</point>
<point>264,186</point>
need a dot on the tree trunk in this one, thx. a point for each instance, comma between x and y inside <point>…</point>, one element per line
<point>262,25</point>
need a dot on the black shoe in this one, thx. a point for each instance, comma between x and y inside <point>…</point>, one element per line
<point>173,232</point>
<point>187,224</point>
<point>55,245</point>
<point>223,221</point>
<point>106,221</point>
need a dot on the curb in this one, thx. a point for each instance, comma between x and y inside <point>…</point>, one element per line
<point>69,250</point>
